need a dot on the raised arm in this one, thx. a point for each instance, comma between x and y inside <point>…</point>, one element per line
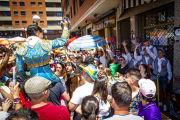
<point>5,60</point>
<point>64,38</point>
<point>138,58</point>
<point>125,48</point>
<point>109,50</point>
<point>149,52</point>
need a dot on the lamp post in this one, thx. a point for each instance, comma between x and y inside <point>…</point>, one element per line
<point>36,19</point>
<point>45,31</point>
<point>24,29</point>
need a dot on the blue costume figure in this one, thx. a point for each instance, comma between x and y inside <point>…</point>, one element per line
<point>36,53</point>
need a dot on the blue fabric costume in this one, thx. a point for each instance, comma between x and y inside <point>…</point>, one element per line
<point>37,57</point>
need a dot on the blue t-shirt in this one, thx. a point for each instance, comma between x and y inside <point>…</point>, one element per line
<point>55,94</point>
<point>149,111</point>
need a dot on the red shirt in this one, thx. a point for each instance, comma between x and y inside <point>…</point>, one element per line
<point>52,112</point>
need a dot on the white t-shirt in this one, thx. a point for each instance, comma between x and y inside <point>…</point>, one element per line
<point>103,108</point>
<point>82,92</point>
<point>125,117</point>
<point>3,115</point>
<point>103,61</point>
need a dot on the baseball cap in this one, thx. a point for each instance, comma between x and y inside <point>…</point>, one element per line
<point>147,87</point>
<point>96,59</point>
<point>161,50</point>
<point>36,84</point>
<point>150,40</point>
<point>90,70</point>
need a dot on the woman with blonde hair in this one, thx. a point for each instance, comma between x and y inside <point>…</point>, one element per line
<point>60,71</point>
<point>100,67</point>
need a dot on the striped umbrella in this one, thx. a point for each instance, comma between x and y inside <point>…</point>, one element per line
<point>72,39</point>
<point>87,42</point>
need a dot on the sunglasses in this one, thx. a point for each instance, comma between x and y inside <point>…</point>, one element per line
<point>100,67</point>
<point>121,60</point>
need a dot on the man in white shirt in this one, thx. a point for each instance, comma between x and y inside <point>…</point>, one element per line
<point>102,57</point>
<point>150,46</point>
<point>133,63</point>
<point>161,69</point>
<point>145,59</point>
<point>88,75</point>
<point>121,99</point>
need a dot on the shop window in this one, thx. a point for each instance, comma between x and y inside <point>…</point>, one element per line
<point>14,3</point>
<point>5,4</point>
<point>0,23</point>
<point>58,4</point>
<point>33,13</point>
<point>22,4</point>
<point>59,13</point>
<point>159,27</point>
<point>23,13</point>
<point>51,23</point>
<point>33,4</point>
<point>40,13</point>
<point>24,22</point>
<point>15,13</point>
<point>7,13</point>
<point>16,22</point>
<point>41,22</point>
<point>50,31</point>
<point>39,4</point>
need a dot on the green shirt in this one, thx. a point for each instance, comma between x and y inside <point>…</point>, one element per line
<point>113,68</point>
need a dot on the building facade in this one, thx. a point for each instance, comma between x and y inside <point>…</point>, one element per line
<point>15,15</point>
<point>91,17</point>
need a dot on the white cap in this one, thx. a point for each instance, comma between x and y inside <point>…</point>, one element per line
<point>147,87</point>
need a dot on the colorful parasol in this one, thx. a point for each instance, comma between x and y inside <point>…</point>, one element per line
<point>87,42</point>
<point>3,42</point>
<point>18,39</point>
<point>72,39</point>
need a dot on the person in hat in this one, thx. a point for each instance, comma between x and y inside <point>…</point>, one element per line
<point>37,88</point>
<point>88,75</point>
<point>145,59</point>
<point>96,62</point>
<point>132,62</point>
<point>150,46</point>
<point>148,108</point>
<point>35,52</point>
<point>102,57</point>
<point>161,69</point>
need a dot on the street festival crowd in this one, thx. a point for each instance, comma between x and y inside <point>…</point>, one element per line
<point>55,82</point>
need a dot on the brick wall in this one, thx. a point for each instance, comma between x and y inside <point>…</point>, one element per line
<point>81,9</point>
<point>28,9</point>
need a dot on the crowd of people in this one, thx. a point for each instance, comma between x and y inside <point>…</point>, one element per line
<point>95,84</point>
